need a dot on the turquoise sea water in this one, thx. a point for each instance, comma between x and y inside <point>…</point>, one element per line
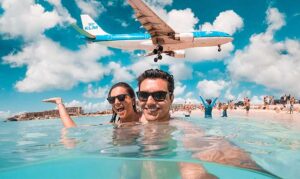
<point>43,149</point>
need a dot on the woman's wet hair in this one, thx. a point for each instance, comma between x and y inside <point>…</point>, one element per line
<point>130,92</point>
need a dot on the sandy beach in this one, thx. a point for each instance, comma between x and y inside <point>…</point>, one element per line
<point>259,114</point>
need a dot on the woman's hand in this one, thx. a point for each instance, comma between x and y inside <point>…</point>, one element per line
<point>55,100</point>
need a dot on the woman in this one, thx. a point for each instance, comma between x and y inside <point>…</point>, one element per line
<point>122,99</point>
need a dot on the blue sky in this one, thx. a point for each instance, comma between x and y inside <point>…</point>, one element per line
<point>42,56</point>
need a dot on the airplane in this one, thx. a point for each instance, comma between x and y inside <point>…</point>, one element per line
<point>160,39</point>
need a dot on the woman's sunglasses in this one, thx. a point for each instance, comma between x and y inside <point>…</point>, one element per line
<point>112,99</point>
<point>157,95</point>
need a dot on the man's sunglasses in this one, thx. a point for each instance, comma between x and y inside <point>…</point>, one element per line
<point>157,96</point>
<point>112,99</point>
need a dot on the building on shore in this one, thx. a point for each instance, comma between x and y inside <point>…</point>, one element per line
<point>73,111</point>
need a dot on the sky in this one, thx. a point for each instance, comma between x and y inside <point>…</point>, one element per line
<point>41,56</point>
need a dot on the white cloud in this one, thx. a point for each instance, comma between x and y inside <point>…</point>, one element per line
<point>189,94</point>
<point>181,71</point>
<point>228,95</point>
<point>182,20</point>
<point>159,3</point>
<point>227,21</point>
<point>244,94</point>
<point>99,92</point>
<point>199,74</point>
<point>29,20</point>
<point>50,66</point>
<point>122,22</point>
<point>88,106</point>
<point>179,89</point>
<point>186,100</point>
<point>24,18</point>
<point>120,73</point>
<point>275,20</point>
<point>264,61</point>
<point>143,64</point>
<point>62,12</point>
<point>5,114</point>
<point>209,89</point>
<point>110,3</point>
<point>256,100</point>
<point>91,7</point>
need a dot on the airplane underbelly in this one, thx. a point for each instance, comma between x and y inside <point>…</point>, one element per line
<point>148,45</point>
<point>130,44</point>
<point>211,41</point>
<point>178,46</point>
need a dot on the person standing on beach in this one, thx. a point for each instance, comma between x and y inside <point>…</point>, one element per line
<point>247,105</point>
<point>292,102</point>
<point>224,107</point>
<point>208,106</point>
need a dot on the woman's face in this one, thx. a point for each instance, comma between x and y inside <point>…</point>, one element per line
<point>122,108</point>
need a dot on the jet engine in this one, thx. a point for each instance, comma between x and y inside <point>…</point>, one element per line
<point>176,53</point>
<point>185,37</point>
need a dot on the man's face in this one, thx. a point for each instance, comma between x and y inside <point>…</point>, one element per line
<point>154,110</point>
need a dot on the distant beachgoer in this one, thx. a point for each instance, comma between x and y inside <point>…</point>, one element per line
<point>292,102</point>
<point>284,100</point>
<point>224,107</point>
<point>122,99</point>
<point>219,104</point>
<point>247,105</point>
<point>208,106</point>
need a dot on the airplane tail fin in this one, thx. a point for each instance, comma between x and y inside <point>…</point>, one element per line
<point>83,32</point>
<point>90,26</point>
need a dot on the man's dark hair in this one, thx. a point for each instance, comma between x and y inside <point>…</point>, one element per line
<point>156,73</point>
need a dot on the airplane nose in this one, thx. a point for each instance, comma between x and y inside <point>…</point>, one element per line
<point>230,39</point>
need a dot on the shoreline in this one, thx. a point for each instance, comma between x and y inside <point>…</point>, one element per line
<point>267,115</point>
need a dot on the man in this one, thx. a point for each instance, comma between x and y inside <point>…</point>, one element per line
<point>156,94</point>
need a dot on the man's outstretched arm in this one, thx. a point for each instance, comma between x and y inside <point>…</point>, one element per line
<point>64,116</point>
<point>203,102</point>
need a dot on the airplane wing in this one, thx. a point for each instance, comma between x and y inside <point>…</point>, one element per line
<point>161,33</point>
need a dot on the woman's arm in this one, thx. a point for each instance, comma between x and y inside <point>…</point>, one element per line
<point>64,116</point>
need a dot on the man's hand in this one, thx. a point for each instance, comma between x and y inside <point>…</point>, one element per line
<point>56,100</point>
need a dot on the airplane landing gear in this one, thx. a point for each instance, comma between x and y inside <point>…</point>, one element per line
<point>158,50</point>
<point>219,48</point>
<point>159,57</point>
